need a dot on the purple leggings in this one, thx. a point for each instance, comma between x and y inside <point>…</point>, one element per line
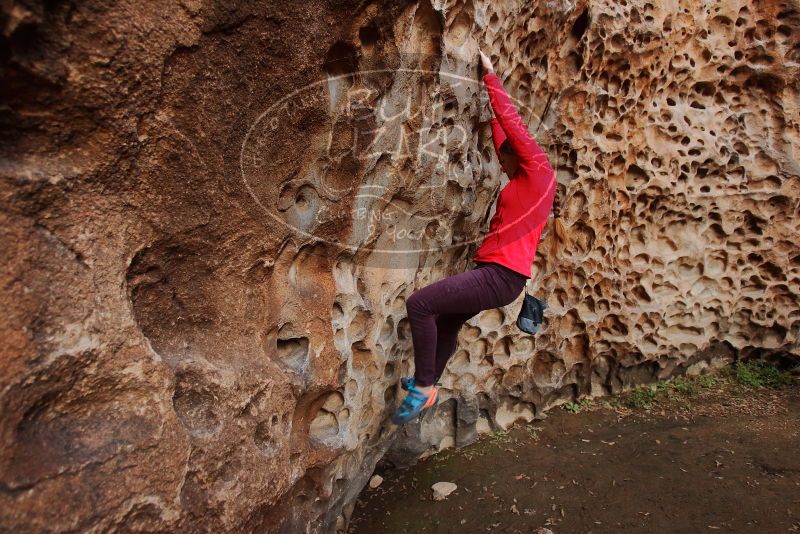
<point>438,311</point>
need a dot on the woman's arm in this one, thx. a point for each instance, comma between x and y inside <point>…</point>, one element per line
<point>508,117</point>
<point>498,135</point>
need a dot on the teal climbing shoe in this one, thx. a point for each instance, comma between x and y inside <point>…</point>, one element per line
<point>413,404</point>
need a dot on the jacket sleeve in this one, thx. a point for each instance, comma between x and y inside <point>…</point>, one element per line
<point>511,123</point>
<point>498,135</point>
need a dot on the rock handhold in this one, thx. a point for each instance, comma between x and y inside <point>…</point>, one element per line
<point>375,481</point>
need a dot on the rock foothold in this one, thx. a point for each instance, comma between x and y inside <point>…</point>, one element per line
<point>375,481</point>
<point>442,489</point>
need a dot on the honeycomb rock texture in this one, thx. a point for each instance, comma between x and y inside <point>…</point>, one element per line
<point>204,321</point>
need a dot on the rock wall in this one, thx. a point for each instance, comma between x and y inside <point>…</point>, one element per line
<point>213,212</point>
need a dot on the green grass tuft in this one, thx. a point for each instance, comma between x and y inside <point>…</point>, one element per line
<point>641,397</point>
<point>576,407</point>
<point>759,374</point>
<point>750,374</point>
<point>709,381</point>
<point>683,386</point>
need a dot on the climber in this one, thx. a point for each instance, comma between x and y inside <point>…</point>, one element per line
<point>502,262</point>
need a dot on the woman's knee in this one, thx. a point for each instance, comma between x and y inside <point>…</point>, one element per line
<point>513,295</point>
<point>416,303</point>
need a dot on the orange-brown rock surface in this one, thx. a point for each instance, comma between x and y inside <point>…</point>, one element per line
<point>212,214</point>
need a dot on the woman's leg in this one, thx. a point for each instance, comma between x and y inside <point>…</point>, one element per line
<point>447,327</point>
<point>469,292</point>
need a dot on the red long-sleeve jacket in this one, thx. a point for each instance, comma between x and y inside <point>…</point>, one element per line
<point>525,201</point>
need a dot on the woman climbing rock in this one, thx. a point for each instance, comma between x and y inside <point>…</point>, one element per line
<point>502,262</point>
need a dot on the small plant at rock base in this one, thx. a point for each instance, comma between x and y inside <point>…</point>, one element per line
<point>709,381</point>
<point>642,397</point>
<point>576,407</point>
<point>683,385</point>
<point>679,384</point>
<point>759,374</point>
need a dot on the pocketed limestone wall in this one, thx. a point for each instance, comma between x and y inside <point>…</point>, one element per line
<point>213,213</point>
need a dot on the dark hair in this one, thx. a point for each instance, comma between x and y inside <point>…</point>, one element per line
<point>505,147</point>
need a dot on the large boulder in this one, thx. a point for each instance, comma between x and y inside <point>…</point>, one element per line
<point>212,214</point>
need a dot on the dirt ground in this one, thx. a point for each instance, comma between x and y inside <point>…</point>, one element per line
<point>722,459</point>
